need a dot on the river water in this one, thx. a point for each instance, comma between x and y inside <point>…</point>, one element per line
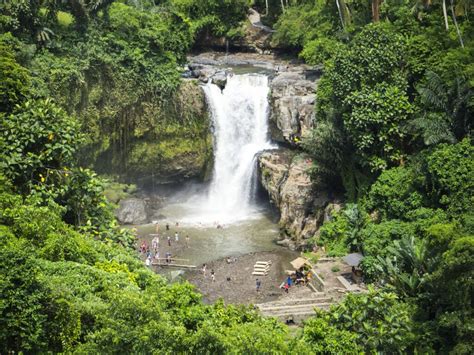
<point>225,218</point>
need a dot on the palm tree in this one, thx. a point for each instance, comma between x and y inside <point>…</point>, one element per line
<point>408,265</point>
<point>451,102</point>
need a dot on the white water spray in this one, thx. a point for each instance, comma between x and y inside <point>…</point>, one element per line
<point>239,115</point>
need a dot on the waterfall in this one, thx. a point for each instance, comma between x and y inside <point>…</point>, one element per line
<point>239,114</point>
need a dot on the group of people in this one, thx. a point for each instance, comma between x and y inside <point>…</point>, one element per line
<point>299,277</point>
<point>153,252</point>
<point>213,274</point>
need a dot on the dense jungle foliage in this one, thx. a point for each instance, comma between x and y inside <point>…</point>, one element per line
<point>393,132</point>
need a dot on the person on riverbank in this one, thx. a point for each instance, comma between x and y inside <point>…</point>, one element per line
<point>157,256</point>
<point>258,284</point>
<point>154,243</point>
<point>176,237</point>
<point>148,261</point>
<point>143,247</point>
<point>213,275</point>
<point>168,257</point>
<point>169,240</point>
<point>167,226</point>
<point>187,241</point>
<point>203,270</point>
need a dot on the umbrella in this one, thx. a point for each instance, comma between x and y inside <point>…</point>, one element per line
<point>353,259</point>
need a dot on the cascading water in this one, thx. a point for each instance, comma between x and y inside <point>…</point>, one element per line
<point>239,114</point>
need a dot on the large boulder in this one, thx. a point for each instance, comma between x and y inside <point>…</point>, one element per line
<point>292,102</point>
<point>284,175</point>
<point>132,211</point>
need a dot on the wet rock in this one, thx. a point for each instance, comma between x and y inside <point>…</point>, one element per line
<point>287,243</point>
<point>220,79</point>
<point>292,102</point>
<point>131,211</point>
<point>284,175</point>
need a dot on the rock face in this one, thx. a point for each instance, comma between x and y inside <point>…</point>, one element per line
<point>168,143</point>
<point>284,175</point>
<point>131,211</point>
<point>137,210</point>
<point>292,103</point>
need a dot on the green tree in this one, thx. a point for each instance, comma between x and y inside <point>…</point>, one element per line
<point>14,79</point>
<point>450,169</point>
<point>396,193</point>
<point>39,137</point>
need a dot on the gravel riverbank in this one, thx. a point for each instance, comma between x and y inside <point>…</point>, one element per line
<point>241,286</point>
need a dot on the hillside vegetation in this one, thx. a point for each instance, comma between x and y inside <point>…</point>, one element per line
<point>393,133</point>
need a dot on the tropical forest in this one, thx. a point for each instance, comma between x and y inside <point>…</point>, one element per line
<point>237,176</point>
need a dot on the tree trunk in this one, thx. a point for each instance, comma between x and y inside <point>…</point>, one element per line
<point>456,24</point>
<point>445,14</point>
<point>266,7</point>
<point>376,10</point>
<point>282,7</point>
<point>340,13</point>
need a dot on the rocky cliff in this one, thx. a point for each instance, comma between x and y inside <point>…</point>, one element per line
<point>164,143</point>
<point>292,103</point>
<point>284,175</point>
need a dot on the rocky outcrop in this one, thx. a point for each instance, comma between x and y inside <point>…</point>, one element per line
<point>284,175</point>
<point>131,211</point>
<point>205,73</point>
<point>137,210</point>
<point>292,102</point>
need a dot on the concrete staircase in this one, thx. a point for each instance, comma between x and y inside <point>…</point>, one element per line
<point>296,309</point>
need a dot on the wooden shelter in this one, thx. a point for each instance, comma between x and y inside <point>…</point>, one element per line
<point>299,262</point>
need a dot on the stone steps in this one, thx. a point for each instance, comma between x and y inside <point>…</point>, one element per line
<point>296,309</point>
<point>300,301</point>
<point>297,312</point>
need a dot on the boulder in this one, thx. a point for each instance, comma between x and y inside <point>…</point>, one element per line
<point>132,211</point>
<point>220,79</point>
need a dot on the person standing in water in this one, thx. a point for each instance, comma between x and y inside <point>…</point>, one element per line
<point>203,270</point>
<point>213,276</point>
<point>176,237</point>
<point>169,240</point>
<point>187,241</point>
